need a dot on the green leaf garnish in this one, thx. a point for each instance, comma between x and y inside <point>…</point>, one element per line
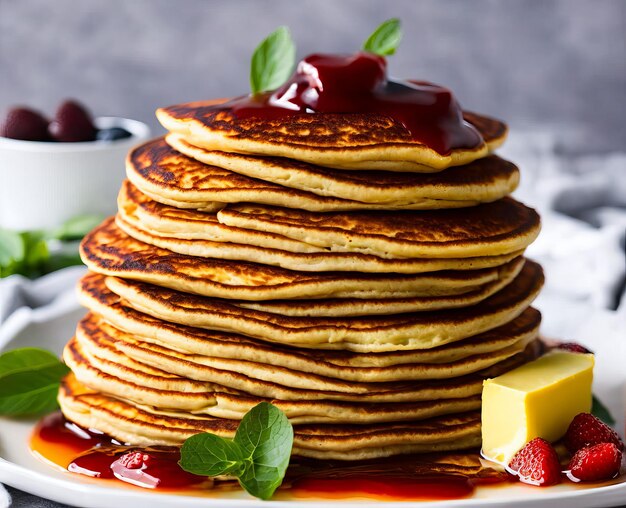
<point>28,253</point>
<point>601,411</point>
<point>385,39</point>
<point>258,455</point>
<point>11,246</point>
<point>272,61</point>
<point>211,455</point>
<point>29,381</point>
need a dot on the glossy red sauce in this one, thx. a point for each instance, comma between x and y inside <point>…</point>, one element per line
<point>96,455</point>
<point>389,487</point>
<point>93,454</point>
<point>358,83</point>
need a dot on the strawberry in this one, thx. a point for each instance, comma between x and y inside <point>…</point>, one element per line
<point>588,430</point>
<point>594,463</point>
<point>574,347</point>
<point>25,124</point>
<point>537,463</point>
<point>72,123</point>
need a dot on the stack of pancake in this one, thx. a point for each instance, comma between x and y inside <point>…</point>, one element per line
<point>355,278</point>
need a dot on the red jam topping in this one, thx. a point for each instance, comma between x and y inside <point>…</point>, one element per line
<point>358,83</point>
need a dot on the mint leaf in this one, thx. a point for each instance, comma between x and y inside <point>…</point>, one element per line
<point>29,382</point>
<point>77,227</point>
<point>36,253</point>
<point>210,455</point>
<point>27,253</point>
<point>601,411</point>
<point>11,251</point>
<point>24,359</point>
<point>272,61</point>
<point>385,39</point>
<point>265,436</point>
<point>258,454</point>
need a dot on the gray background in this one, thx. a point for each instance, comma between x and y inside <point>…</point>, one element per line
<point>561,63</point>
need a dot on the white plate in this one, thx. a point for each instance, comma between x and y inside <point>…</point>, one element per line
<point>20,469</point>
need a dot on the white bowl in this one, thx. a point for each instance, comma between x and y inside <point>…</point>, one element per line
<point>43,184</point>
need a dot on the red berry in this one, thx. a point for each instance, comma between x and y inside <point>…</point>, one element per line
<point>595,463</point>
<point>588,430</point>
<point>574,347</point>
<point>25,124</point>
<point>537,463</point>
<point>72,123</point>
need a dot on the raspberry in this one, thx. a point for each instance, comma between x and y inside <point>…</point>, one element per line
<point>72,123</point>
<point>588,430</point>
<point>25,124</point>
<point>574,347</point>
<point>537,463</point>
<point>594,463</point>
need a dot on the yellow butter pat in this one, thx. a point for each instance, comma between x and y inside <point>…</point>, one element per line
<point>538,399</point>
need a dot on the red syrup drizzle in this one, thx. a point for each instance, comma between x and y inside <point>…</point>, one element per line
<point>326,83</point>
<point>428,477</point>
<point>390,487</point>
<point>93,454</point>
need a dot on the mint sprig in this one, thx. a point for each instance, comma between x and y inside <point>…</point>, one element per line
<point>36,253</point>
<point>385,39</point>
<point>272,61</point>
<point>258,455</point>
<point>29,381</point>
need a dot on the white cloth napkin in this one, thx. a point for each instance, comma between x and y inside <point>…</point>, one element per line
<point>582,202</point>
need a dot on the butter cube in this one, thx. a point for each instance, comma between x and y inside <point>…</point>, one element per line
<point>538,399</point>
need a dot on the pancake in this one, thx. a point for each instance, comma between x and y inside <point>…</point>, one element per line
<point>360,334</point>
<point>501,227</point>
<point>333,307</point>
<point>201,234</point>
<point>172,178</point>
<point>98,363</point>
<point>110,251</point>
<point>481,181</point>
<point>305,262</point>
<point>337,364</point>
<point>345,140</point>
<point>284,382</point>
<point>345,307</point>
<point>144,426</point>
<point>136,383</point>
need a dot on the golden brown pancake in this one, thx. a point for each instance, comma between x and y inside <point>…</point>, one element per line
<point>343,140</point>
<point>110,251</point>
<point>169,177</point>
<point>481,181</point>
<point>201,234</point>
<point>283,380</point>
<point>141,425</point>
<point>495,228</point>
<point>101,367</point>
<point>362,334</point>
<point>338,364</point>
<point>328,307</point>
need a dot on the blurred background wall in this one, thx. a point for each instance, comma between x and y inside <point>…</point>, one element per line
<point>560,64</point>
